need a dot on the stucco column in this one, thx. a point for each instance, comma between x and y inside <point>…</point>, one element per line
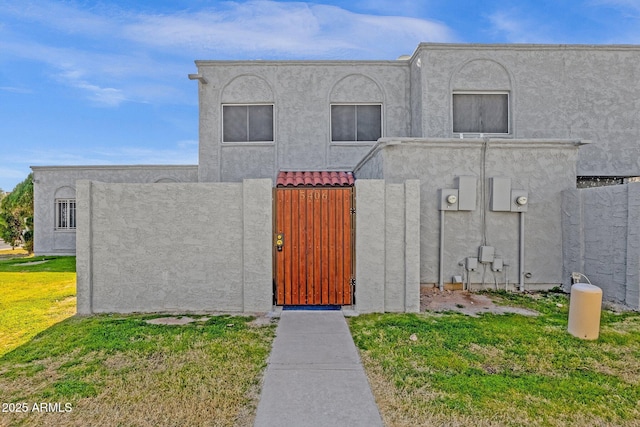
<point>632,292</point>
<point>257,262</point>
<point>84,258</point>
<point>572,235</point>
<point>412,245</point>
<point>370,245</point>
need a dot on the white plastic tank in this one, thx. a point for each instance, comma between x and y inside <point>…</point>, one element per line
<point>585,307</point>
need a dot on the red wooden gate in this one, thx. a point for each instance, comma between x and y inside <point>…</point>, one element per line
<point>313,246</point>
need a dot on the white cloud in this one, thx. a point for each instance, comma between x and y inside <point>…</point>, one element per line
<point>621,4</point>
<point>184,153</point>
<point>60,16</point>
<point>10,177</point>
<point>124,55</point>
<point>137,155</point>
<point>513,27</point>
<point>237,28</point>
<point>261,29</point>
<point>191,144</point>
<point>101,96</point>
<point>394,7</point>
<point>11,173</point>
<point>15,89</point>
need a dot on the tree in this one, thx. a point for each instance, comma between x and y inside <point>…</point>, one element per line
<point>16,215</point>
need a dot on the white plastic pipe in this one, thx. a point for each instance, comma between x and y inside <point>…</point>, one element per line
<point>441,272</point>
<point>521,263</point>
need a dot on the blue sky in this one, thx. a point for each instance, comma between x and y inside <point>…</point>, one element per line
<point>105,82</point>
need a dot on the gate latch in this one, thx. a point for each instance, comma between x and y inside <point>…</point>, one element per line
<point>279,241</point>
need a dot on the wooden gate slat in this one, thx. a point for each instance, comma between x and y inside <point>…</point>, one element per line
<point>332,248</point>
<point>317,241</point>
<point>346,227</point>
<point>279,255</point>
<point>302,244</point>
<point>324,247</point>
<point>339,247</point>
<point>287,246</point>
<point>310,248</point>
<point>295,255</point>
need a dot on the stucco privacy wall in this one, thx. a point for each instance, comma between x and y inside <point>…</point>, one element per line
<point>601,233</point>
<point>387,246</point>
<point>585,92</point>
<point>174,247</point>
<point>301,92</point>
<point>55,182</point>
<point>543,168</point>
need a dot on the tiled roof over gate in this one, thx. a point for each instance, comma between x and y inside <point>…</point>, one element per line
<point>314,179</point>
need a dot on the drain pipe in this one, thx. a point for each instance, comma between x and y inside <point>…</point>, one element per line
<point>441,272</point>
<point>521,263</point>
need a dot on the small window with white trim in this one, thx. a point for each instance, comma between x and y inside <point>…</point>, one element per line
<point>481,112</point>
<point>247,123</point>
<point>65,214</point>
<point>356,122</point>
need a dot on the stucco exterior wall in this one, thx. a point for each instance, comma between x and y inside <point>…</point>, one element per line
<point>556,91</point>
<point>601,233</point>
<point>174,247</point>
<point>302,93</point>
<point>51,182</point>
<point>543,168</point>
<point>585,92</point>
<point>387,246</point>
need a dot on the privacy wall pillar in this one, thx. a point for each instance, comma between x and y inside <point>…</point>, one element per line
<point>394,292</point>
<point>387,246</point>
<point>84,261</point>
<point>370,245</point>
<point>572,236</point>
<point>412,245</point>
<point>632,291</point>
<point>257,248</point>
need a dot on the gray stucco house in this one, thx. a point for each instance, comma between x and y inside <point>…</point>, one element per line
<point>467,160</point>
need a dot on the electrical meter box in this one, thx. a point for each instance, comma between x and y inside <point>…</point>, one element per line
<point>467,190</point>
<point>501,194</point>
<point>449,199</point>
<point>519,200</point>
<point>471,264</point>
<point>486,254</point>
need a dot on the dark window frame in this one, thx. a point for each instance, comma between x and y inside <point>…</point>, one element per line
<point>495,124</point>
<point>233,133</point>
<point>358,133</point>
<point>65,214</point>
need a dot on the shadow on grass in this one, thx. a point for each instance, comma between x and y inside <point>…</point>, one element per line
<point>434,369</point>
<point>38,264</point>
<point>102,363</point>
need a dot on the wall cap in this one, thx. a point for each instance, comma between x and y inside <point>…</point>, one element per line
<point>477,143</point>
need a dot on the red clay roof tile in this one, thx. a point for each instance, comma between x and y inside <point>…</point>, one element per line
<point>314,178</point>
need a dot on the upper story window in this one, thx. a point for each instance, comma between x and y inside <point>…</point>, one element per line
<point>481,112</point>
<point>247,123</point>
<point>65,214</point>
<point>356,122</point>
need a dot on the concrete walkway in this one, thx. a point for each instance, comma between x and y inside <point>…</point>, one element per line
<point>314,376</point>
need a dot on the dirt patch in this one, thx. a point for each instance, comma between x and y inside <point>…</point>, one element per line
<point>24,264</point>
<point>469,303</point>
<point>260,321</point>
<point>182,320</point>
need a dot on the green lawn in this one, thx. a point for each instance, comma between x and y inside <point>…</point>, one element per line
<point>502,369</point>
<point>425,369</point>
<point>34,297</point>
<point>116,370</point>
